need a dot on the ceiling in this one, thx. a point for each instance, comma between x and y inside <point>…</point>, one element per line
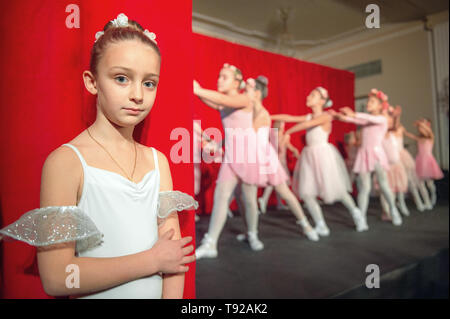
<point>310,22</point>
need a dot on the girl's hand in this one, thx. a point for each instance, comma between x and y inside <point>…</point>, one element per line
<point>171,255</point>
<point>347,111</point>
<point>197,87</point>
<point>397,111</point>
<point>335,114</point>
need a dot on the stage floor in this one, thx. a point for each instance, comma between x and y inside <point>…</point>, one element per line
<point>291,266</point>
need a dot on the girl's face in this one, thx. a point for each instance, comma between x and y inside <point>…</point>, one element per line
<point>128,76</point>
<point>250,91</point>
<point>227,81</point>
<point>253,93</point>
<point>374,105</point>
<point>314,99</point>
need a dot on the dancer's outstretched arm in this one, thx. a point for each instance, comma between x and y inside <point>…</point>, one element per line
<point>288,118</point>
<point>231,101</point>
<point>397,114</point>
<point>211,104</point>
<point>320,120</point>
<point>410,135</point>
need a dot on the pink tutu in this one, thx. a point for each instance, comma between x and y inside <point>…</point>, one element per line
<point>396,174</point>
<point>368,157</point>
<point>397,177</point>
<point>270,166</point>
<point>240,159</point>
<point>410,166</point>
<point>426,165</point>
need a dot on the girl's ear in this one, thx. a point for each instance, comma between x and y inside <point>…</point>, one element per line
<point>90,82</point>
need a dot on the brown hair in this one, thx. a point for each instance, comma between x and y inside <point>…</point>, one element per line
<point>115,34</point>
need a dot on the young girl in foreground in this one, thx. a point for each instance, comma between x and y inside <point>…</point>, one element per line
<point>121,191</point>
<point>371,156</point>
<point>427,168</point>
<point>322,170</point>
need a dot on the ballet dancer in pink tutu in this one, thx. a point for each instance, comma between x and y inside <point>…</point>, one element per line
<point>236,110</point>
<point>284,144</point>
<point>427,168</point>
<point>397,177</point>
<point>414,184</point>
<point>322,170</point>
<point>371,156</point>
<point>276,175</point>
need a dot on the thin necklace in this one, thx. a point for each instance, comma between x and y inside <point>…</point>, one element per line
<point>135,156</point>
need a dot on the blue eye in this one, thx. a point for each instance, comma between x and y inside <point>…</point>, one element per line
<point>120,77</point>
<point>151,85</point>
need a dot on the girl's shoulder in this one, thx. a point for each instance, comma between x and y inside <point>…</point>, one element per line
<point>162,159</point>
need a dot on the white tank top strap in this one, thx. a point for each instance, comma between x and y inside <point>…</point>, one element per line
<point>155,159</point>
<point>83,162</point>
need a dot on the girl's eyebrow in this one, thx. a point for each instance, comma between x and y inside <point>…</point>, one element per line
<point>130,70</point>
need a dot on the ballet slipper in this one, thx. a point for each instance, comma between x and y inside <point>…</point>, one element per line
<point>310,233</point>
<point>433,199</point>
<point>322,229</point>
<point>360,221</point>
<point>420,207</point>
<point>208,248</point>
<point>396,218</point>
<point>255,243</point>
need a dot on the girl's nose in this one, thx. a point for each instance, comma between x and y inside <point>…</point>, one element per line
<point>137,94</point>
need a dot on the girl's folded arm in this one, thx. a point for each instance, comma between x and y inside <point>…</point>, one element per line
<point>173,284</point>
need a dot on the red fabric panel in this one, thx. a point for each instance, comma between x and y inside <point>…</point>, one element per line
<point>290,81</point>
<point>45,105</point>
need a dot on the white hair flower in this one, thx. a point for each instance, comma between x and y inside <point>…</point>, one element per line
<point>120,21</point>
<point>98,35</point>
<point>150,35</point>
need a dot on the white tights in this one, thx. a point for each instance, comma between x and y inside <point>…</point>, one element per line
<point>222,195</point>
<point>316,211</point>
<point>266,195</point>
<point>364,185</point>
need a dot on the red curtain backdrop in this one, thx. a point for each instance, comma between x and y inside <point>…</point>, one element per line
<point>45,104</point>
<point>290,81</point>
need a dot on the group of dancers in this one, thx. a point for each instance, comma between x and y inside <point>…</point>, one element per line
<point>320,171</point>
